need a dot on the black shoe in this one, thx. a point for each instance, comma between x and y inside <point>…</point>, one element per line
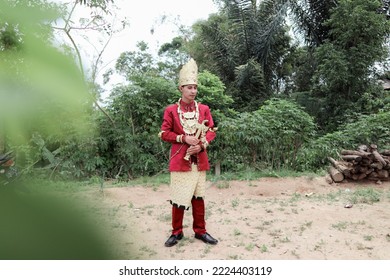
<point>206,238</point>
<point>172,240</point>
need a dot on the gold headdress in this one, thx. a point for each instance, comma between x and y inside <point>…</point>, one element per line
<point>188,74</point>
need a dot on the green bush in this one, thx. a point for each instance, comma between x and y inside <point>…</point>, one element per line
<point>271,136</point>
<point>370,129</point>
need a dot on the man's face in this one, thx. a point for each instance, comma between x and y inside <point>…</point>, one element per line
<point>188,92</point>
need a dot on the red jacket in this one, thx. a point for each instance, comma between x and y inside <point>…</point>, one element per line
<point>171,128</point>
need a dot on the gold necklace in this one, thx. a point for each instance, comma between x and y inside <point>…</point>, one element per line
<point>188,120</point>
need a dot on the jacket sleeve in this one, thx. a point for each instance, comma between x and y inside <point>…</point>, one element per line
<point>210,134</point>
<point>167,132</point>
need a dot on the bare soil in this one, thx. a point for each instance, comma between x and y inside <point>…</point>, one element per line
<point>269,218</point>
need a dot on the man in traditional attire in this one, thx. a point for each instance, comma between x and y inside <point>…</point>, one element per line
<point>189,126</point>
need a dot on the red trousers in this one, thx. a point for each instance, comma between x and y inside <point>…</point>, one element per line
<point>198,215</point>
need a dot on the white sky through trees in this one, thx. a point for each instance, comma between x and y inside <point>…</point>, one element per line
<point>143,16</point>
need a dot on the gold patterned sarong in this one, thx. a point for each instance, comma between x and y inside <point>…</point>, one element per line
<point>185,185</point>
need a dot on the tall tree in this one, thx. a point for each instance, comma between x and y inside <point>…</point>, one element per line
<point>309,17</point>
<point>244,47</point>
<point>346,60</point>
<point>77,31</point>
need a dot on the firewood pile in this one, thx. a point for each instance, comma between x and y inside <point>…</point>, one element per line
<point>366,162</point>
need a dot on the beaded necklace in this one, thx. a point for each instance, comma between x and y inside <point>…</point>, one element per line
<point>188,120</point>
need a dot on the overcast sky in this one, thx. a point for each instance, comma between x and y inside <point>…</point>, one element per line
<point>142,16</point>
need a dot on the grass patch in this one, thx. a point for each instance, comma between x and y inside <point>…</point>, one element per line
<point>223,185</point>
<point>364,195</point>
<point>340,225</point>
<point>235,202</point>
<point>368,237</point>
<point>97,182</point>
<point>254,174</point>
<point>263,248</point>
<point>250,247</point>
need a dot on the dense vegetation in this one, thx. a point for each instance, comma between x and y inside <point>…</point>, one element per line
<point>289,84</point>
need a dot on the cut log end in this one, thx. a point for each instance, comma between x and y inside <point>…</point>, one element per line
<point>336,175</point>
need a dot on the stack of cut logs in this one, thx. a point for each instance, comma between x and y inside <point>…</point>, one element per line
<point>364,163</point>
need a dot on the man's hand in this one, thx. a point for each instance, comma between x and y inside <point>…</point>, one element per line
<point>192,150</point>
<point>191,140</point>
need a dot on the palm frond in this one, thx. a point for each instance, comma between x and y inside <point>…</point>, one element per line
<point>310,17</point>
<point>243,17</point>
<point>272,14</point>
<point>216,42</point>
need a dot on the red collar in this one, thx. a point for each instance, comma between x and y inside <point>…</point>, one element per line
<point>187,107</point>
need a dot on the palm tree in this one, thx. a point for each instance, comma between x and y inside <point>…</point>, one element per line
<point>254,35</point>
<point>244,46</point>
<point>309,17</point>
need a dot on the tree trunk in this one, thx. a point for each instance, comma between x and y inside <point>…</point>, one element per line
<point>218,168</point>
<point>386,152</point>
<point>336,175</point>
<point>340,167</point>
<point>379,158</point>
<point>351,158</point>
<point>356,153</point>
<point>359,176</point>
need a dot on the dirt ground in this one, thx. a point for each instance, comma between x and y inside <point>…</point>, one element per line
<point>270,218</point>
